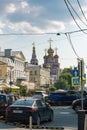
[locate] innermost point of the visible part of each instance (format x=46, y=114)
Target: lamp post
x=10, y=82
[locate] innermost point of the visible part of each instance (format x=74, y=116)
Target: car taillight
x=31, y=109
x=6, y=104
x=8, y=109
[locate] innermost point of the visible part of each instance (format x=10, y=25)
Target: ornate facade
x=51, y=62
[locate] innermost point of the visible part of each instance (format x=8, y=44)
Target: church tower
x=51, y=62
x=34, y=60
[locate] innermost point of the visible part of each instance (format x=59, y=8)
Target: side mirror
x=47, y=104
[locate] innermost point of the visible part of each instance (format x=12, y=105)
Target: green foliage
x=64, y=81
x=61, y=84
x=23, y=90
x=52, y=88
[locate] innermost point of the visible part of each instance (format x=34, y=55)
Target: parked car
x=61, y=98
x=77, y=104
x=22, y=109
x=5, y=101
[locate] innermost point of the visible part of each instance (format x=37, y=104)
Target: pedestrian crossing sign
x=76, y=81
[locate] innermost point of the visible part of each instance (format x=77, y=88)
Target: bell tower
x=34, y=60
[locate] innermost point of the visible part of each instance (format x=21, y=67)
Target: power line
x=76, y=31
x=81, y=10
x=73, y=17
x=76, y=13
x=69, y=39
x=29, y=33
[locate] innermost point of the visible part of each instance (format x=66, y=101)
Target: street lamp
x=10, y=82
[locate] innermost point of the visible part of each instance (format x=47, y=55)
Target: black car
x=77, y=104
x=5, y=101
x=23, y=109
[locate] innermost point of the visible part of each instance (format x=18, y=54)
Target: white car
x=40, y=94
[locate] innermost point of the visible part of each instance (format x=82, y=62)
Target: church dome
x=45, y=57
x=50, y=50
x=56, y=56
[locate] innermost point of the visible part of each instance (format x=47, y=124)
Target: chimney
x=8, y=53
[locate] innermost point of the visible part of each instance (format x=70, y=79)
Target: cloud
x=24, y=27
x=2, y=25
x=28, y=15
x=11, y=8
x=54, y=26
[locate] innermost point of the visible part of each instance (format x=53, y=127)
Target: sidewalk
x=70, y=128
x=35, y=129
x=11, y=127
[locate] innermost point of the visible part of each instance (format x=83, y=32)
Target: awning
x=15, y=87
x=4, y=85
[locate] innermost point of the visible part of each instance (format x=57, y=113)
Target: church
x=51, y=62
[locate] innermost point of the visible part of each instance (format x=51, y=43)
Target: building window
x=35, y=72
x=30, y=72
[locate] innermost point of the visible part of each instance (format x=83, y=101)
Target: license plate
x=17, y=111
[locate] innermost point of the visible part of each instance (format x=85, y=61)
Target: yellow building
x=38, y=75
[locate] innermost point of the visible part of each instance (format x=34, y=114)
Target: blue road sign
x=10, y=83
x=75, y=73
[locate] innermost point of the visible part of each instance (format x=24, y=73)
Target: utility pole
x=82, y=78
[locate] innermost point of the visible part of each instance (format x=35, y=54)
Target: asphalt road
x=64, y=117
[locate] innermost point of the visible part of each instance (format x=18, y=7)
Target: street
x=64, y=116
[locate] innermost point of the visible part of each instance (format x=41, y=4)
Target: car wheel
x=6, y=120
x=38, y=121
x=51, y=117
x=77, y=108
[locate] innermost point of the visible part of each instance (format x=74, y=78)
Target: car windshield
x=38, y=93
x=2, y=98
x=55, y=94
x=24, y=102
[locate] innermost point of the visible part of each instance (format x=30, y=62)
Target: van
x=5, y=101
x=62, y=98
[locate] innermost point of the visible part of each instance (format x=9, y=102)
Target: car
x=77, y=104
x=5, y=101
x=40, y=95
x=61, y=98
x=23, y=109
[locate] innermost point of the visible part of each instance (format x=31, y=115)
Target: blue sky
x=44, y=17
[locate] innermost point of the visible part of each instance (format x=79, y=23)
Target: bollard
x=81, y=119
x=85, y=122
x=30, y=122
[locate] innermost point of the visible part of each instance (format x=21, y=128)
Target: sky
x=23, y=22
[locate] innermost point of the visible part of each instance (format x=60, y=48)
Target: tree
x=52, y=88
x=23, y=90
x=61, y=84
x=64, y=81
